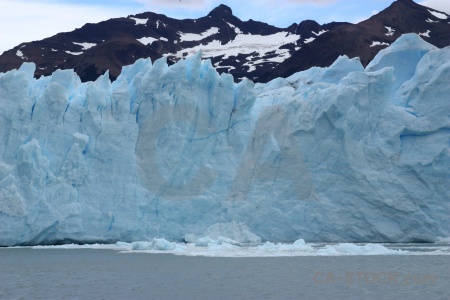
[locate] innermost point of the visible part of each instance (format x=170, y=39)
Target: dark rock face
x=249, y=49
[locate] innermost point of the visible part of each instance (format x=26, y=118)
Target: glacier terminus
x=337, y=154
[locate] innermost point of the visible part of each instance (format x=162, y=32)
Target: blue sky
x=28, y=20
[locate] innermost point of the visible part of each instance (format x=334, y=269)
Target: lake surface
x=27, y=273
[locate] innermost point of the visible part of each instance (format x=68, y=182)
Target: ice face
x=329, y=154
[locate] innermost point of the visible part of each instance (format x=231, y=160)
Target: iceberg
x=340, y=154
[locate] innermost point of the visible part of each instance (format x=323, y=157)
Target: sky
x=30, y=20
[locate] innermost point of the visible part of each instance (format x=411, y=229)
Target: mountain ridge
x=252, y=49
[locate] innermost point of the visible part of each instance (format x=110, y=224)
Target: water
x=106, y=274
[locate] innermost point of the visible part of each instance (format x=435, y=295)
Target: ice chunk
x=234, y=231
x=352, y=249
x=299, y=242
x=205, y=241
x=341, y=68
x=404, y=55
x=155, y=244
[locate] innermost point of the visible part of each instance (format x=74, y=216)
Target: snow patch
x=309, y=40
x=218, y=66
x=320, y=32
x=390, y=30
x=159, y=22
x=375, y=43
x=189, y=37
x=438, y=15
x=244, y=44
x=19, y=53
x=149, y=40
x=85, y=45
x=139, y=21
x=426, y=34
x=431, y=21
x=74, y=53
x=227, y=67
x=236, y=29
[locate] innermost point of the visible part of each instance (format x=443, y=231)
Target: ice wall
x=328, y=154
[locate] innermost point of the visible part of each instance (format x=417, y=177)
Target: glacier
x=337, y=154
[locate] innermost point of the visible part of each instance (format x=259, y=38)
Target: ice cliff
x=328, y=154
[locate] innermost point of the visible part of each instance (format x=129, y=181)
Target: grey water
x=27, y=273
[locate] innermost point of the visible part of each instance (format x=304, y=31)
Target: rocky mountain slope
x=249, y=49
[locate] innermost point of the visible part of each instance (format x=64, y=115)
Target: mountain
x=367, y=38
x=338, y=154
x=251, y=49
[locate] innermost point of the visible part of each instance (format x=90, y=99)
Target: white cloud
x=441, y=5
x=315, y=2
x=190, y=4
x=208, y=4
x=360, y=19
x=24, y=21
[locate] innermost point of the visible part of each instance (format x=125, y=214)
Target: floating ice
x=226, y=248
